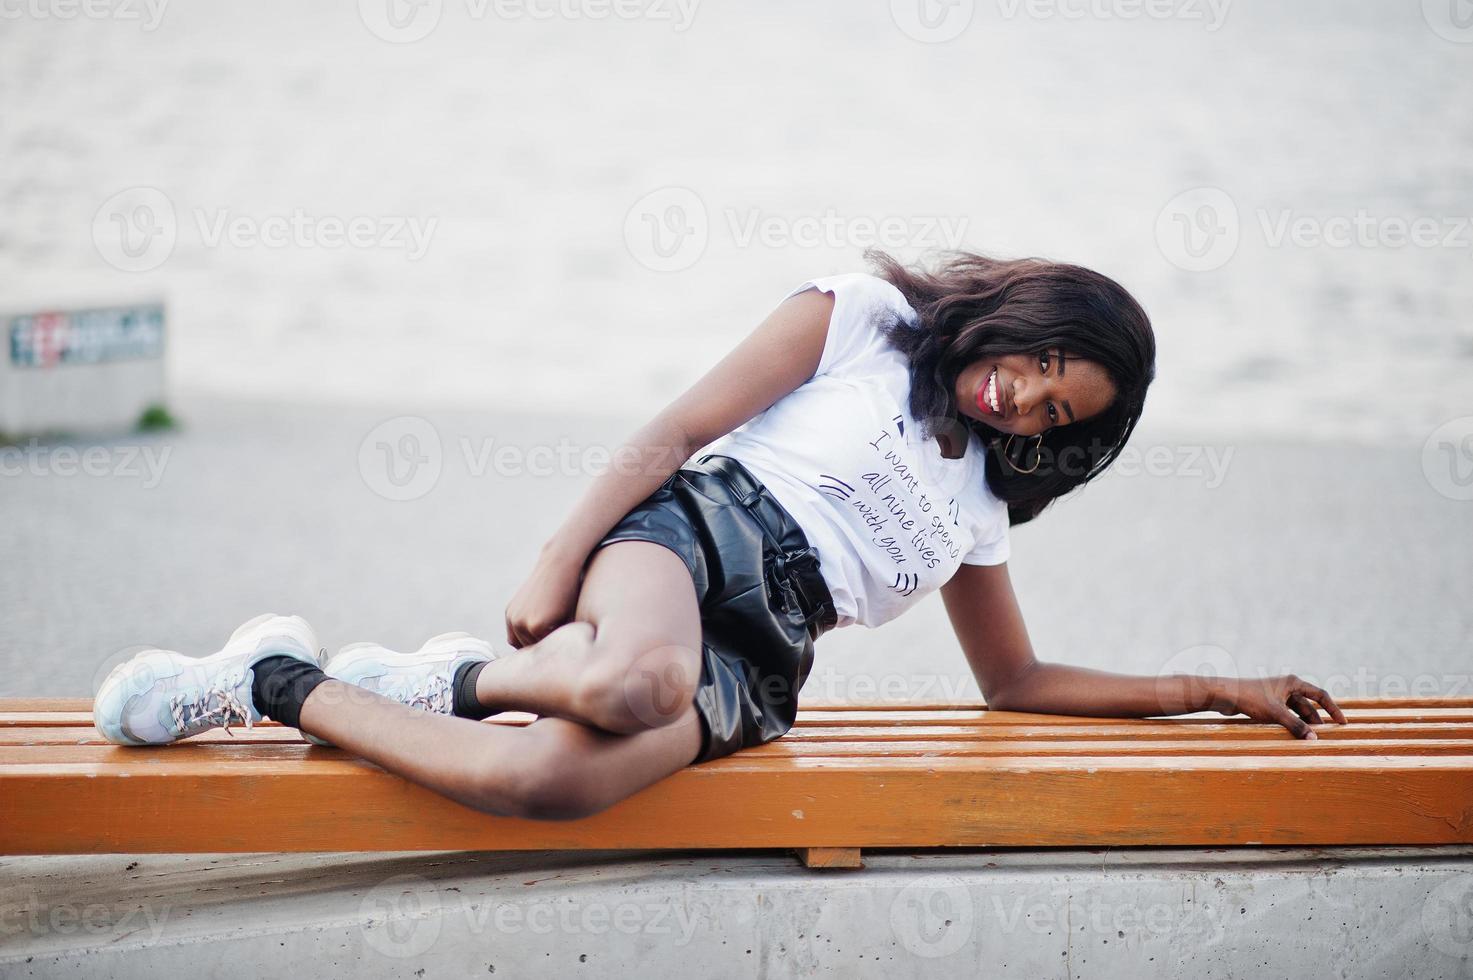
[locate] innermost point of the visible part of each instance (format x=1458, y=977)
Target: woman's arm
x=780, y=354
x=989, y=626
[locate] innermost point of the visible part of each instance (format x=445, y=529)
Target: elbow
x=1012, y=695
x=999, y=700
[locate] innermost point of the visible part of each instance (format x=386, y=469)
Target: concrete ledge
x=1142, y=912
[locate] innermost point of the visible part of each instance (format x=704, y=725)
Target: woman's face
x=1027, y=394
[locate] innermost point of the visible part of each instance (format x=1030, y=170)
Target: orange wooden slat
x=49, y=735
x=225, y=753
x=341, y=805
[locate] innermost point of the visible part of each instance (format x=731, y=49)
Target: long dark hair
x=972, y=307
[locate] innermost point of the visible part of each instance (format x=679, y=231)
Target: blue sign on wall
x=43, y=340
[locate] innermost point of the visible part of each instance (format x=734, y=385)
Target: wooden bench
x=846, y=777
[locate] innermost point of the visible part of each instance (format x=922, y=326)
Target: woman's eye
x=1043, y=361
x=1053, y=413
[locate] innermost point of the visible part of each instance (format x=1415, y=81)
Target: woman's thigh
x=641, y=601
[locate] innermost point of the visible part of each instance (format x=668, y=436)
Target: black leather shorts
x=763, y=602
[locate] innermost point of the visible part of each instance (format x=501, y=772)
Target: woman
x=870, y=442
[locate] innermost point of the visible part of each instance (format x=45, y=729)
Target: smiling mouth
x=989, y=399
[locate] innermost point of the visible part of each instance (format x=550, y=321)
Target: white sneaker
x=423, y=679
x=160, y=696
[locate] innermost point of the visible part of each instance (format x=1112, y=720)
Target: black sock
x=466, y=703
x=280, y=686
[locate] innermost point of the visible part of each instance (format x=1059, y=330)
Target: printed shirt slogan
x=889, y=498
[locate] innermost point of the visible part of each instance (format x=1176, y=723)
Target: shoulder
x=859, y=293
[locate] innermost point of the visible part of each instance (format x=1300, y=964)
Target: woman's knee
x=628, y=687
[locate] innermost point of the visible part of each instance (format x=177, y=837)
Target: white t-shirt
x=890, y=517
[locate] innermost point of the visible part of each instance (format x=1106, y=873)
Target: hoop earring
x=1007, y=454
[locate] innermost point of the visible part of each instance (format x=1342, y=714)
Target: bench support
x=830, y=857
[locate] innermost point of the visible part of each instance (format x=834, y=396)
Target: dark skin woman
x=1047, y=363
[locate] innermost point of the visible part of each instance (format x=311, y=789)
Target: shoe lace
x=434, y=695
x=218, y=705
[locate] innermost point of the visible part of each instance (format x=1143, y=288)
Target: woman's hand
x=1285, y=700
x=545, y=601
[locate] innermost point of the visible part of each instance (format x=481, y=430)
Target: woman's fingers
x=1305, y=709
x=1296, y=725
x=1321, y=697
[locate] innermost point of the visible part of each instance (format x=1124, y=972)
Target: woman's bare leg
x=550, y=769
x=629, y=660
x=636, y=670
